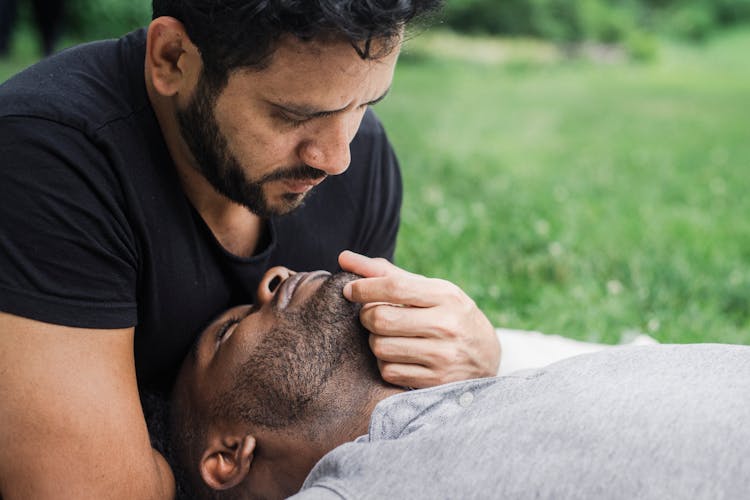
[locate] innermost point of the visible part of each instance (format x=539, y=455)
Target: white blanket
x=523, y=349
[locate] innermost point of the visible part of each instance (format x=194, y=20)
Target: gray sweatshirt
x=653, y=422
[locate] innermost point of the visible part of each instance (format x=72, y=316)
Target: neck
x=359, y=424
x=350, y=420
x=299, y=454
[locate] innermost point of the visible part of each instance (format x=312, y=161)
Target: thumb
x=365, y=266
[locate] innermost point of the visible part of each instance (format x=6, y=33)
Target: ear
x=226, y=461
x=173, y=62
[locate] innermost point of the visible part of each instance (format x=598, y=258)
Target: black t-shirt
x=96, y=232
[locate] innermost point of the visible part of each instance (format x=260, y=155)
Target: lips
x=299, y=187
x=289, y=286
x=286, y=289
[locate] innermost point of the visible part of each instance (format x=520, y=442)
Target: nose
x=328, y=149
x=270, y=283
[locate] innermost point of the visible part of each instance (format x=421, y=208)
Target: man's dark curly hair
x=243, y=33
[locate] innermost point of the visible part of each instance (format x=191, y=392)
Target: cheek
x=252, y=138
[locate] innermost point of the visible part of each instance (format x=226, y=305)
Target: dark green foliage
x=93, y=19
x=732, y=11
x=490, y=16
x=693, y=22
x=606, y=21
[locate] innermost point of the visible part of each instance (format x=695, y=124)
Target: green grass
x=25, y=50
x=589, y=199
x=592, y=200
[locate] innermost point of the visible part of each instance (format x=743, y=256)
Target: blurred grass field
x=591, y=199
x=594, y=197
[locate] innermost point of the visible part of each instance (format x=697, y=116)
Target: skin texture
x=268, y=454
x=425, y=331
x=229, y=458
x=252, y=368
x=214, y=357
x=69, y=397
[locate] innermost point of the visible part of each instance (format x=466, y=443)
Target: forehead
x=327, y=69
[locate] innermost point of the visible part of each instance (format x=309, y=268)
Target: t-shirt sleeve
x=67, y=254
x=382, y=215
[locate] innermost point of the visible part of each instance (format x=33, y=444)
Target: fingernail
x=348, y=291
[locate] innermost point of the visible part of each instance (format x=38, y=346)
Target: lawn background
x=590, y=196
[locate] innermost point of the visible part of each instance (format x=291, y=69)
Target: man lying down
x=286, y=394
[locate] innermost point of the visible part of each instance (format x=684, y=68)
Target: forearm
x=73, y=429
x=154, y=482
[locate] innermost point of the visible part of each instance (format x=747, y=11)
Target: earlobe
x=169, y=55
x=226, y=461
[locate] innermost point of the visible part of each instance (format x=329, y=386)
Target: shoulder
x=84, y=87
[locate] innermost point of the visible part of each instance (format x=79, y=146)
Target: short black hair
x=234, y=34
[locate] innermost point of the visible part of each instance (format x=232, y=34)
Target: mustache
x=298, y=173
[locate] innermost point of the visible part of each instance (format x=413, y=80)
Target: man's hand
x=425, y=331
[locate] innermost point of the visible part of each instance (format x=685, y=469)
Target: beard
x=280, y=382
x=214, y=161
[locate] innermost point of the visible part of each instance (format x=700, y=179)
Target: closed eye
x=289, y=120
x=227, y=328
x=296, y=116
x=224, y=328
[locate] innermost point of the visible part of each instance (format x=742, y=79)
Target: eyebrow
x=311, y=112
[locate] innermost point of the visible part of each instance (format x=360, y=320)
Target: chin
x=277, y=205
x=288, y=202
